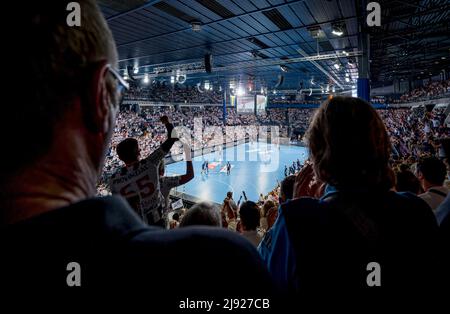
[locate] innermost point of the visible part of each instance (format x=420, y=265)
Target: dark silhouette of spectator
x=206, y=214
x=406, y=181
x=322, y=247
x=431, y=173
x=250, y=216
x=51, y=219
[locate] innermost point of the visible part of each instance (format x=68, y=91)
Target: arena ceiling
x=258, y=39
x=413, y=41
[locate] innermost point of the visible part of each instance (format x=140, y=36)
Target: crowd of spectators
x=174, y=93
x=418, y=142
x=432, y=90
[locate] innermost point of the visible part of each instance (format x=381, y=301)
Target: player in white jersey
x=138, y=181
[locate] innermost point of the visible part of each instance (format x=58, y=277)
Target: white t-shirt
x=435, y=196
x=139, y=184
x=166, y=184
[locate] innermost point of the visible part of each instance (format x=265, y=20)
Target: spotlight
x=337, y=30
x=337, y=66
x=262, y=90
x=206, y=85
x=333, y=89
x=135, y=70
x=347, y=79
x=146, y=79
x=240, y=91
x=172, y=79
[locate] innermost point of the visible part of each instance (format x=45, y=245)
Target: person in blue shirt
x=323, y=242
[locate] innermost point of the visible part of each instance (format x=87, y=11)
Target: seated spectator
x=205, y=214
x=250, y=215
x=323, y=246
x=59, y=242
x=431, y=173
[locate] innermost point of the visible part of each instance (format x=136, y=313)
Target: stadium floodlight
x=172, y=79
x=135, y=70
x=240, y=91
x=146, y=80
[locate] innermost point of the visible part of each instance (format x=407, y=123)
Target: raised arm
x=165, y=147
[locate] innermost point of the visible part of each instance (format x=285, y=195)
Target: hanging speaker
x=130, y=73
x=280, y=81
x=208, y=63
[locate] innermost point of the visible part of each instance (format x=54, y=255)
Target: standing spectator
x=287, y=189
x=229, y=209
x=138, y=181
x=250, y=215
x=431, y=172
x=92, y=249
x=358, y=220
x=406, y=181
